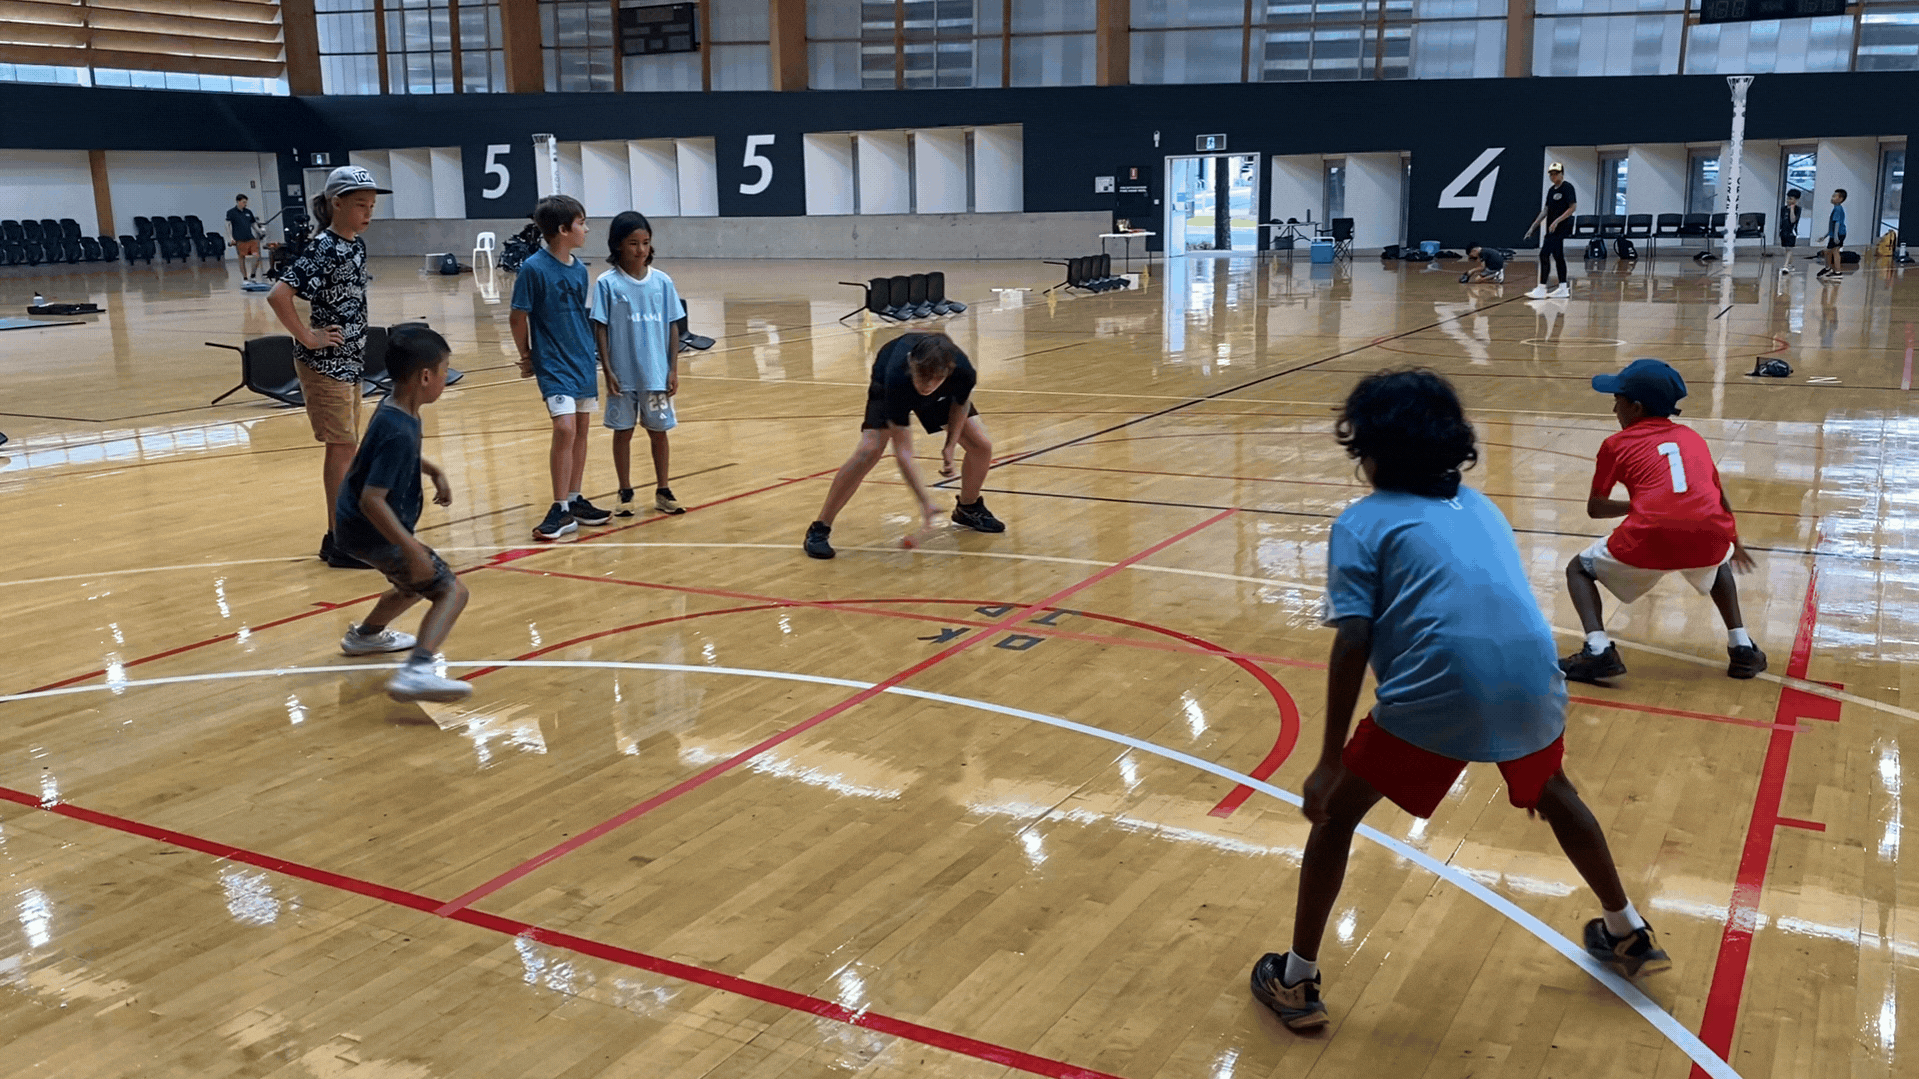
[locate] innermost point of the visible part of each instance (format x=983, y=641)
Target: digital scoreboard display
x=1714, y=11
x=659, y=28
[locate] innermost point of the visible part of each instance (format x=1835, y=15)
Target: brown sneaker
x=1298, y=1006
x=1635, y=954
x=1746, y=661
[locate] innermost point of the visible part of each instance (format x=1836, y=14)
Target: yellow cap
x=1556, y=167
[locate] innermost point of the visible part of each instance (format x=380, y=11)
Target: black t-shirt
x=243, y=222
x=389, y=457
x=892, y=384
x=1559, y=199
x=1491, y=260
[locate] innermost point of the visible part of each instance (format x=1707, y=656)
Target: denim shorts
x=391, y=561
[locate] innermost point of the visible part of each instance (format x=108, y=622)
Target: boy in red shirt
x=1677, y=521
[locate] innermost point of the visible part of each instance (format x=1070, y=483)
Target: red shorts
x=1416, y=779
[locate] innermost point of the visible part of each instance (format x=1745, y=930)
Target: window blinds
x=207, y=37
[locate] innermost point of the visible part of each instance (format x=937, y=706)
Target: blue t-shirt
x=554, y=298
x=1837, y=224
x=638, y=314
x=389, y=458
x=1464, y=658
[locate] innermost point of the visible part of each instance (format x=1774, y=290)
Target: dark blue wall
x=1071, y=134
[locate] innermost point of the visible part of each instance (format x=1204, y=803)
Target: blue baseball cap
x=1652, y=383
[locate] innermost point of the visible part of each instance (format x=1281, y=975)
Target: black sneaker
x=625, y=507
x=1298, y=1006
x=816, y=544
x=1583, y=666
x=1746, y=661
x=696, y=342
x=332, y=555
x=977, y=517
x=1634, y=954
x=664, y=501
x=587, y=513
x=558, y=523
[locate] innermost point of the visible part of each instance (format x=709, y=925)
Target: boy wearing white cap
x=330, y=274
x=1677, y=520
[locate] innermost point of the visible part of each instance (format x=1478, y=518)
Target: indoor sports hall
x=955, y=802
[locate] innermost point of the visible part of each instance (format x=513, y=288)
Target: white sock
x=1597, y=642
x=562, y=505
x=1298, y=970
x=573, y=497
x=1739, y=638
x=1622, y=923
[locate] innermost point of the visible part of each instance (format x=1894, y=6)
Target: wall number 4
x=1480, y=202
x=757, y=160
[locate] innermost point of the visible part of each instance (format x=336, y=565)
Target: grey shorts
x=391, y=562
x=651, y=409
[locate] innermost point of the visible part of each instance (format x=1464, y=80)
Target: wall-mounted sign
x=1713, y=11
x=317, y=159
x=659, y=28
x=1102, y=185
x=1210, y=144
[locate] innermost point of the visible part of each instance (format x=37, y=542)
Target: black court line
x=1215, y=395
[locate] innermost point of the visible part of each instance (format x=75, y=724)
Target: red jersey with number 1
x=1677, y=519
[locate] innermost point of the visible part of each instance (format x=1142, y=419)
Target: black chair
x=1716, y=227
x=1694, y=226
x=136, y=249
x=13, y=243
x=143, y=228
x=1752, y=227
x=916, y=301
x=875, y=299
x=109, y=249
x=1342, y=235
x=266, y=368
x=1612, y=226
x=90, y=249
x=1666, y=227
x=1585, y=226
x=171, y=238
x=899, y=293
x=936, y=292
x=33, y=232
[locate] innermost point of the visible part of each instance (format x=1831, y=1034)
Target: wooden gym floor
x=983, y=809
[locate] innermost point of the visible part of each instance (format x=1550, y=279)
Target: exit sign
x=1210, y=144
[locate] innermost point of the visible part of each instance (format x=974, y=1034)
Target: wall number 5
x=757, y=160
x=496, y=167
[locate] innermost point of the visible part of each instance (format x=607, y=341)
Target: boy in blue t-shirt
x=1835, y=236
x=1425, y=582
x=378, y=507
x=550, y=328
x=634, y=307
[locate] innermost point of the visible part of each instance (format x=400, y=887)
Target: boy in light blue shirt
x=1835, y=237
x=634, y=307
x=1426, y=584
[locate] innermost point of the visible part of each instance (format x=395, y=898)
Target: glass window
x=1335, y=194
x=741, y=67
x=1606, y=44
x=349, y=47
x=1174, y=14
x=482, y=48
x=1788, y=46
x=1187, y=56
x=831, y=65
x=1892, y=187
x=576, y=38
x=1612, y=184
x=1053, y=16
x=739, y=21
x=1702, y=182
x=1466, y=49
x=1053, y=59
x=1889, y=41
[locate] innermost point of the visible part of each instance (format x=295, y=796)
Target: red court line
x=712, y=979
x=1721, y=1015
x=498, y=559
x=1808, y=825
x=1653, y=709
x=574, y=843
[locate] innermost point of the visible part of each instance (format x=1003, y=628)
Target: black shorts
x=391, y=562
x=1790, y=239
x=1834, y=245
x=931, y=417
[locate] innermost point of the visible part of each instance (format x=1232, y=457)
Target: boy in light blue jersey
x=1835, y=238
x=634, y=307
x=1426, y=583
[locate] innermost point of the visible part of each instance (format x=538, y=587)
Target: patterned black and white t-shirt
x=331, y=275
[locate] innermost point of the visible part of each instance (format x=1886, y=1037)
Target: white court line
x=156, y=569
x=1661, y=1020
x=1817, y=689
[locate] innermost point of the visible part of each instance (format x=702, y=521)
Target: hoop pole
x=1730, y=170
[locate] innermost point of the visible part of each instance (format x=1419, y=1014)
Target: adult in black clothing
x=1557, y=217
x=924, y=377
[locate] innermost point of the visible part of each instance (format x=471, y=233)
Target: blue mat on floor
x=34, y=323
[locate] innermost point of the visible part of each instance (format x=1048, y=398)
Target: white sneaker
x=1563, y=292
x=356, y=643
x=1538, y=293
x=418, y=682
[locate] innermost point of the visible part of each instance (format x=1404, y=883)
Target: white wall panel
x=939, y=171
x=699, y=178
x=51, y=183
x=653, y=167
x=999, y=169
x=829, y=174
x=146, y=183
x=885, y=178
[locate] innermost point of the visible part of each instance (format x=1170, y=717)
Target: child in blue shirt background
x=1425, y=583
x=634, y=308
x=1835, y=236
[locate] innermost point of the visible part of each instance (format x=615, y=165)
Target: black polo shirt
x=1559, y=199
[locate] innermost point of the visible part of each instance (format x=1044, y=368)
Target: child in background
x=1492, y=265
x=1425, y=581
x=1677, y=521
x=379, y=506
x=633, y=310
x=551, y=331
x=1835, y=236
x=330, y=274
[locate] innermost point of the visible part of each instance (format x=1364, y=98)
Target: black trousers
x=1552, y=248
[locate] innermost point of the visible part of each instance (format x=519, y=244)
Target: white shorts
x=652, y=410
x=561, y=405
x=1628, y=583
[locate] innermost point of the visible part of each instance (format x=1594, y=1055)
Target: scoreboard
x=1714, y=11
x=659, y=28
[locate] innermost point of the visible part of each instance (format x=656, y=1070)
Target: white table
x=1128, y=237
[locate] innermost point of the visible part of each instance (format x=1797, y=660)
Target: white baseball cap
x=352, y=178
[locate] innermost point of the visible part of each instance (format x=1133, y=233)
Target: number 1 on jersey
x=1670, y=450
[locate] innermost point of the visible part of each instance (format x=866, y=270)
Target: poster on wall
x=1466, y=191
x=761, y=174
x=500, y=182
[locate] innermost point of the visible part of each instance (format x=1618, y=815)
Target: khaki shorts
x=333, y=407
x=1628, y=583
x=247, y=247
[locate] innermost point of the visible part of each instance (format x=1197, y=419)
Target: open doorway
x=1210, y=204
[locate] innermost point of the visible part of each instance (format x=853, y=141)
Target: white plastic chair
x=484, y=243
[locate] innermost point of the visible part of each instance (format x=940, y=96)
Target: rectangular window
x=1612, y=184
x=1702, y=182
x=577, y=43
x=1889, y=41
x=1892, y=187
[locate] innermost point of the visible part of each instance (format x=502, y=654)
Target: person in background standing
x=1557, y=218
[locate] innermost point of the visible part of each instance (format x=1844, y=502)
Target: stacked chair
x=898, y=299
x=208, y=245
x=1094, y=273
